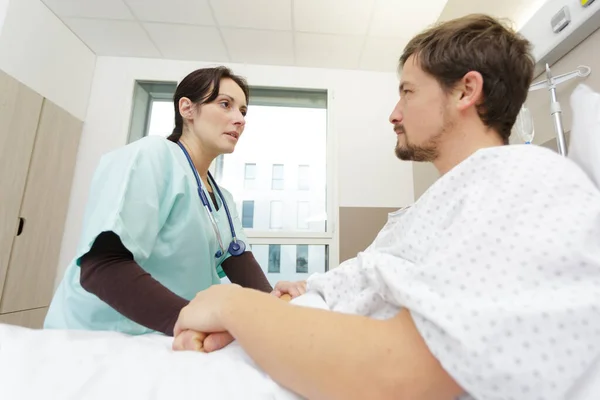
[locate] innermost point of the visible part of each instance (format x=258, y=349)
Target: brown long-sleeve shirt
x=109, y=271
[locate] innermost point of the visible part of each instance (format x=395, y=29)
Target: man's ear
x=469, y=90
x=186, y=108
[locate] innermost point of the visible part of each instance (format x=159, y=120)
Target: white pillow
x=584, y=147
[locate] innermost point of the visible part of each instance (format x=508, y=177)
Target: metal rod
x=555, y=109
x=556, y=113
x=560, y=134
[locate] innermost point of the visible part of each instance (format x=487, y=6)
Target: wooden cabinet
x=38, y=149
x=28, y=318
x=20, y=109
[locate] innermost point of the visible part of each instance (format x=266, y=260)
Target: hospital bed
x=39, y=364
x=92, y=365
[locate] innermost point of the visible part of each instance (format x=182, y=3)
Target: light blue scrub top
x=147, y=194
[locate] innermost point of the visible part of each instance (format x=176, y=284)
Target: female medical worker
x=157, y=228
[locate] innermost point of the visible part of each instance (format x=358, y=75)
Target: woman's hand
x=294, y=289
x=190, y=340
x=198, y=341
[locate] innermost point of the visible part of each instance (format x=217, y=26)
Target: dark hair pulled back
x=202, y=86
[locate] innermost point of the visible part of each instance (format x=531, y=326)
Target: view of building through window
x=286, y=262
x=277, y=176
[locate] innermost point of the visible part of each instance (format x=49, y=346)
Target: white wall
x=3, y=10
x=366, y=169
x=37, y=49
x=538, y=29
x=370, y=174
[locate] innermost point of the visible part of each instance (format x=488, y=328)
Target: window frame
x=282, y=179
x=307, y=247
x=246, y=165
x=278, y=258
x=300, y=181
x=244, y=202
x=248, y=182
x=146, y=91
x=330, y=235
x=298, y=203
x=271, y=209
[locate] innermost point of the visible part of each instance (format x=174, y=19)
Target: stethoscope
x=236, y=247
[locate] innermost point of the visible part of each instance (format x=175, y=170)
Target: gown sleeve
x=130, y=195
x=128, y=202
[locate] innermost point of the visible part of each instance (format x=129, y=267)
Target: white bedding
x=80, y=365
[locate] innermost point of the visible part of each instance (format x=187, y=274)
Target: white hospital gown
x=499, y=265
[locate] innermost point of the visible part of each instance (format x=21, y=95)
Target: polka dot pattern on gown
x=499, y=265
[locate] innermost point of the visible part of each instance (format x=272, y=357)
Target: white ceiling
x=518, y=11
x=347, y=34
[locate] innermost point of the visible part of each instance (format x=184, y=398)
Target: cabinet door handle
x=21, y=225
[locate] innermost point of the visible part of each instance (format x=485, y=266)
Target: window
x=160, y=123
x=152, y=112
x=273, y=211
x=303, y=213
x=303, y=177
x=276, y=214
x=277, y=179
x=249, y=175
x=274, y=259
x=248, y=214
x=255, y=169
x=250, y=172
x=291, y=262
x=302, y=259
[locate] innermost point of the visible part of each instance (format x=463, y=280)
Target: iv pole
x=550, y=83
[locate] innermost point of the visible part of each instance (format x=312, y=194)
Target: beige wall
x=424, y=175
x=358, y=228
x=538, y=102
x=553, y=145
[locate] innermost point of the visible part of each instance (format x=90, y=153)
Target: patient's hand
x=198, y=341
x=294, y=289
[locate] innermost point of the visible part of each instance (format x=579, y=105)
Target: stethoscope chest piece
x=237, y=247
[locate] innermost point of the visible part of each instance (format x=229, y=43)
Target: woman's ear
x=186, y=108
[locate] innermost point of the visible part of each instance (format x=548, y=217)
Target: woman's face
x=219, y=125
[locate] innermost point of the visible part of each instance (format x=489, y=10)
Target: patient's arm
x=322, y=354
x=194, y=340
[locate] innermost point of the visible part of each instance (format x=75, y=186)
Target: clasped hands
x=189, y=335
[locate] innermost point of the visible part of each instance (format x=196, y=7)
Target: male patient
x=487, y=288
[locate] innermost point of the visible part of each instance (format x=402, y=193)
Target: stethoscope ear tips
x=219, y=254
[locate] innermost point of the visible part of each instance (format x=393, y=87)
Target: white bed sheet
x=77, y=365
